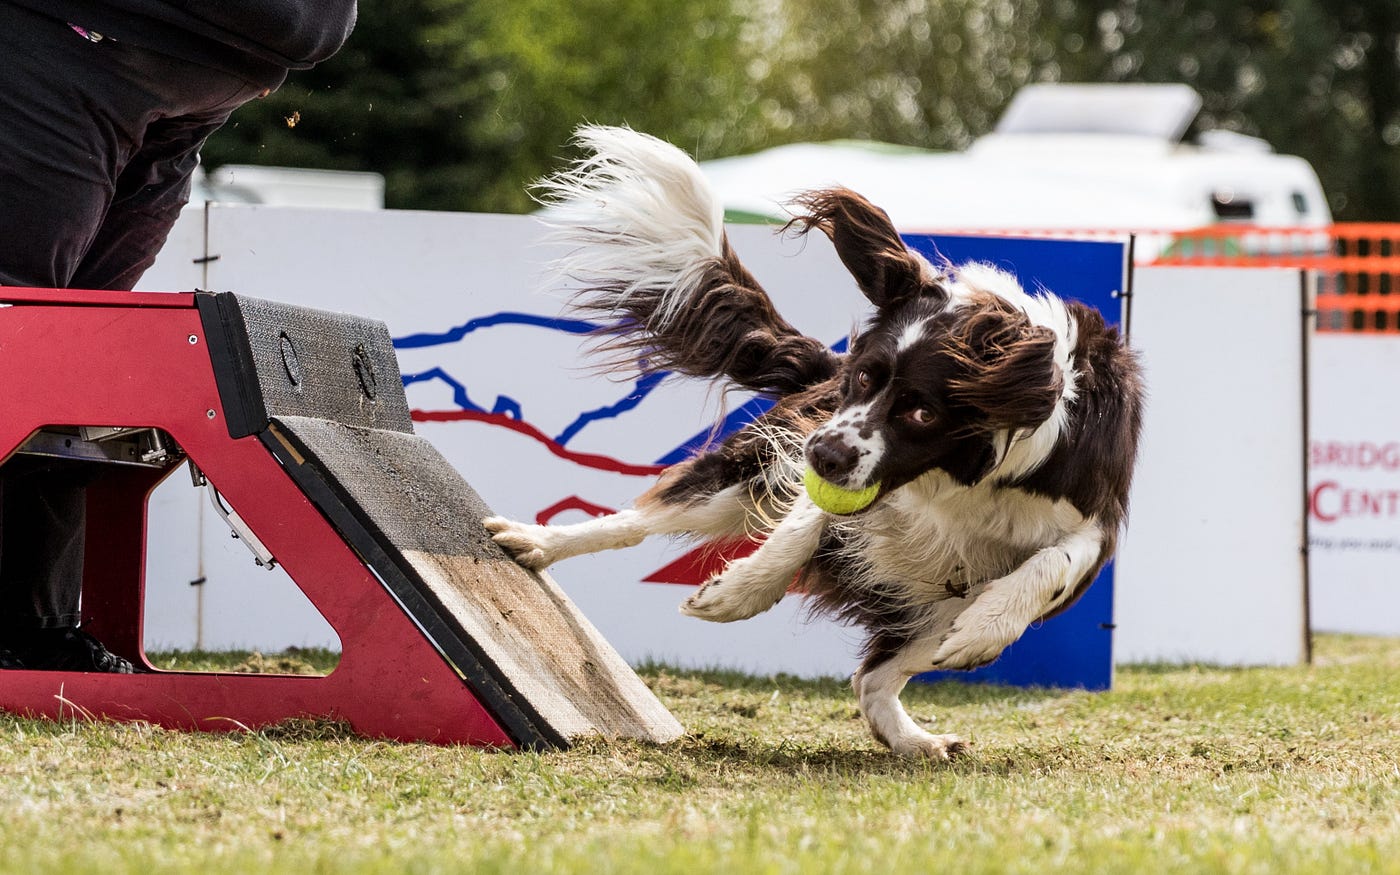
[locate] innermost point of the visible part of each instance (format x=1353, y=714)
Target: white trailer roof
x=1017, y=179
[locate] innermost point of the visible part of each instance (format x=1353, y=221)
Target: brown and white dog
x=996, y=430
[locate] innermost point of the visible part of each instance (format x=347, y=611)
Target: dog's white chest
x=934, y=539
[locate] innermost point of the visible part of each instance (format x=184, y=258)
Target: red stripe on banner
x=702, y=563
x=573, y=502
x=587, y=460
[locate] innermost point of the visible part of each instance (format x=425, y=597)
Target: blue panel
x=1085, y=271
x=1074, y=649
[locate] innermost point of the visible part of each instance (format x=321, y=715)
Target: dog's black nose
x=831, y=457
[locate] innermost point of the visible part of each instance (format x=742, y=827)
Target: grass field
x=1176, y=769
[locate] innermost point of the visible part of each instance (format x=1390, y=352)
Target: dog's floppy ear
x=1006, y=367
x=887, y=272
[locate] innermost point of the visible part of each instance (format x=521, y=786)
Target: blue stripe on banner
x=456, y=333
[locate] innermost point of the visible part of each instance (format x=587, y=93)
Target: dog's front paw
x=725, y=598
x=527, y=544
x=926, y=745
x=714, y=601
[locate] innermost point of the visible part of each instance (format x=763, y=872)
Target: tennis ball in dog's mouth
x=833, y=499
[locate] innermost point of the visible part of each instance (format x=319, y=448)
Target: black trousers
x=98, y=144
x=43, y=509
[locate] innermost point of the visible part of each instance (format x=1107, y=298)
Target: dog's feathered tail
x=648, y=250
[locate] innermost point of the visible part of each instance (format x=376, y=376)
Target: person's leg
x=45, y=512
x=150, y=192
x=56, y=180
x=56, y=165
x=100, y=141
x=153, y=184
x=44, y=505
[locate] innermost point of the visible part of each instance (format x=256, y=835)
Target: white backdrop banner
x=1210, y=568
x=1354, y=486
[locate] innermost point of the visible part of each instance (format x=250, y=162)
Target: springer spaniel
x=962, y=473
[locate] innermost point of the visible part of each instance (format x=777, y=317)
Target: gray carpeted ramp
x=323, y=393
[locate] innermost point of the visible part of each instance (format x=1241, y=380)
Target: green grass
x=1177, y=769
x=296, y=660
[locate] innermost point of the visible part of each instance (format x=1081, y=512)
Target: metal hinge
x=261, y=555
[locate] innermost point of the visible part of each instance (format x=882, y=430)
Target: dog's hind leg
x=893, y=660
x=757, y=582
x=965, y=633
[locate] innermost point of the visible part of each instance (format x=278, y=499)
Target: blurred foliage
x=931, y=73
x=1316, y=78
x=398, y=99
x=669, y=67
x=461, y=105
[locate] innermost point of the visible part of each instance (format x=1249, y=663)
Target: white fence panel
x=1211, y=568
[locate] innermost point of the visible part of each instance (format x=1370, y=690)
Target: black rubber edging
x=512, y=710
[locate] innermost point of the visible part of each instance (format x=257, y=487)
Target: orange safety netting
x=1356, y=265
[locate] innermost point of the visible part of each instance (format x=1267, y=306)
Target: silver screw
x=210, y=413
x=194, y=339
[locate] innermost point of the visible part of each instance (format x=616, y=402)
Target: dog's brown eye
x=863, y=379
x=920, y=416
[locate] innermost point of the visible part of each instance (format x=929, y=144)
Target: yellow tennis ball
x=833, y=499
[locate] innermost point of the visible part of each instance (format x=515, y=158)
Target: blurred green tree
x=1316, y=78
x=461, y=105
x=672, y=68
x=929, y=73
x=398, y=99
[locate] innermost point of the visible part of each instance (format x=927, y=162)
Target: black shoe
x=68, y=650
